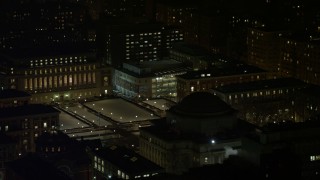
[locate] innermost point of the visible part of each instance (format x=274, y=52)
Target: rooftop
x=12, y=93
x=263, y=84
x=169, y=133
x=179, y=3
x=32, y=167
x=312, y=90
x=4, y=139
x=229, y=70
x=202, y=104
x=154, y=68
x=127, y=160
x=53, y=138
x=135, y=25
x=291, y=126
x=190, y=49
x=26, y=110
x=21, y=57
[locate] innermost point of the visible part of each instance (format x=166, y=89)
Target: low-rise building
x=33, y=167
x=150, y=79
x=307, y=102
x=264, y=101
x=25, y=123
x=66, y=154
x=12, y=97
x=288, y=150
x=120, y=162
x=205, y=80
x=8, y=152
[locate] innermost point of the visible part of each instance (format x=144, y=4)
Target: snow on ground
x=83, y=112
x=69, y=122
x=120, y=110
x=161, y=104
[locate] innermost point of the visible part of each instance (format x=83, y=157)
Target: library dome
x=202, y=103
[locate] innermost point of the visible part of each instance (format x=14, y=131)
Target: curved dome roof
x=202, y=103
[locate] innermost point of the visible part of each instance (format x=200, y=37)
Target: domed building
x=200, y=130
x=202, y=112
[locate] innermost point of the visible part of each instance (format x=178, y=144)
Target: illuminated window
x=44, y=124
x=315, y=158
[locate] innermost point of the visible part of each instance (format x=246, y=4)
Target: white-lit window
x=44, y=124
x=315, y=158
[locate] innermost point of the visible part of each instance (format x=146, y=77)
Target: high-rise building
x=124, y=8
x=47, y=23
x=264, y=48
x=139, y=42
x=299, y=58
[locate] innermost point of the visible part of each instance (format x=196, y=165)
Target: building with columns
x=58, y=77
